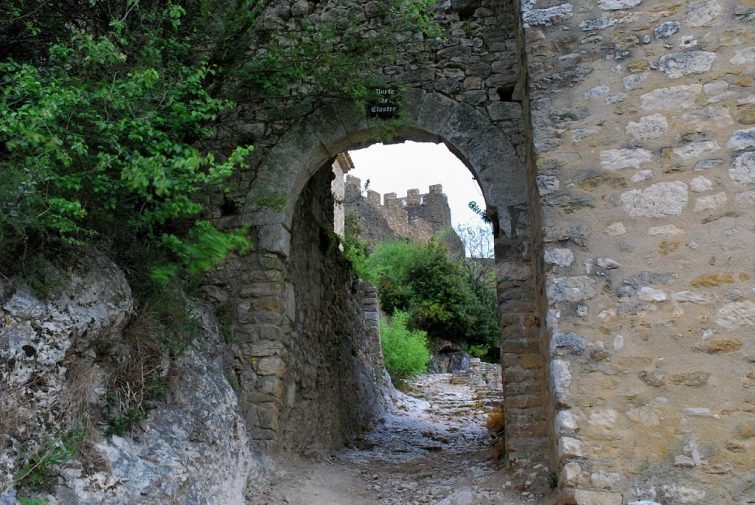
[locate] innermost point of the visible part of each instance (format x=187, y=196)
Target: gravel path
x=434, y=449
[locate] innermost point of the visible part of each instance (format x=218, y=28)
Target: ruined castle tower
x=417, y=217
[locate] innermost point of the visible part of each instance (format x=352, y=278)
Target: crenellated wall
x=417, y=217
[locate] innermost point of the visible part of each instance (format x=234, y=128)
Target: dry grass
x=496, y=424
x=136, y=375
x=81, y=393
x=496, y=420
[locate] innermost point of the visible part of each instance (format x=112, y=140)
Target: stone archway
x=433, y=117
x=268, y=321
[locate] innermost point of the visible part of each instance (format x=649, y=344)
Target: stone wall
x=334, y=375
x=417, y=217
x=303, y=345
x=642, y=117
x=341, y=166
x=466, y=91
x=613, y=143
x=612, y=140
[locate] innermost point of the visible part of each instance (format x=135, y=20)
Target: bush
x=356, y=250
x=441, y=296
x=24, y=500
x=37, y=470
x=405, y=351
x=101, y=139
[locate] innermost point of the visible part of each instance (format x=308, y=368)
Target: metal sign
x=384, y=105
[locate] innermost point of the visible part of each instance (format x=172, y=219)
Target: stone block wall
x=642, y=115
x=302, y=335
x=417, y=217
x=332, y=386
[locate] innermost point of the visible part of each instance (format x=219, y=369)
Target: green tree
x=478, y=267
x=436, y=291
x=104, y=106
x=84, y=155
x=99, y=139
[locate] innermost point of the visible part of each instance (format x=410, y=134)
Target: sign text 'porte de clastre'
x=384, y=105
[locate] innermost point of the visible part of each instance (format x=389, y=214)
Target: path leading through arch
x=432, y=448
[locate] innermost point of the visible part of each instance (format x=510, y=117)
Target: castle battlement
x=416, y=216
x=413, y=196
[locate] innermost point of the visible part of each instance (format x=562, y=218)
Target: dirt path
x=433, y=450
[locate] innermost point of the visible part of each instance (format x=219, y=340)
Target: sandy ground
x=433, y=449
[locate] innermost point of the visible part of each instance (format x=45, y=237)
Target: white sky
x=395, y=168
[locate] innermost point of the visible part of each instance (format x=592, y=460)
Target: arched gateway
x=273, y=370
x=613, y=142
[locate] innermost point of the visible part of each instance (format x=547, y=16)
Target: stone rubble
x=432, y=448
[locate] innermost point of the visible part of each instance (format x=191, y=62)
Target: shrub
x=355, y=250
x=25, y=500
x=106, y=112
x=441, y=296
x=478, y=351
x=101, y=140
x=38, y=468
x=405, y=351
x=125, y=422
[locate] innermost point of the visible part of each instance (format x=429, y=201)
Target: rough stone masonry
x=614, y=142
x=643, y=137
x=416, y=217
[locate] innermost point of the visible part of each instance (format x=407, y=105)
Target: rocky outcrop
x=57, y=359
x=447, y=357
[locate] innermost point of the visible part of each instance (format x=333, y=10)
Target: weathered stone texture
x=612, y=141
x=665, y=379
x=61, y=354
x=466, y=91
x=332, y=385
x=304, y=345
x=417, y=217
x=614, y=150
